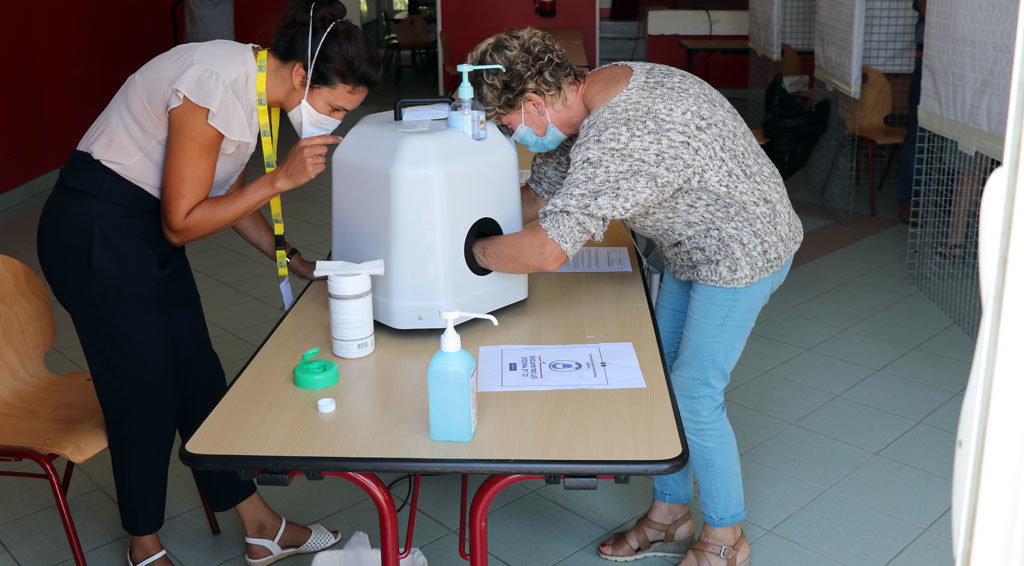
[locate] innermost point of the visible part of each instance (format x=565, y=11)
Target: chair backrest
x=446, y=52
x=790, y=61
x=26, y=323
x=40, y=410
x=413, y=31
x=875, y=98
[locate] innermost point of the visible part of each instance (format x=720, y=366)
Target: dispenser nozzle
x=465, y=89
x=450, y=340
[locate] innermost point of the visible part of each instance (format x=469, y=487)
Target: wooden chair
x=791, y=66
x=388, y=37
x=867, y=122
x=413, y=34
x=790, y=61
x=447, y=64
x=44, y=416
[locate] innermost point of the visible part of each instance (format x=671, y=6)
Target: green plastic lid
x=315, y=374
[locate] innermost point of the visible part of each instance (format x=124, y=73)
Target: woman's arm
x=528, y=251
x=532, y=203
x=255, y=229
x=186, y=210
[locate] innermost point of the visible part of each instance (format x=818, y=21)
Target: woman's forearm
x=529, y=251
x=211, y=215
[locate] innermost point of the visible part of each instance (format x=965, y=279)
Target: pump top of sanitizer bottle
x=450, y=340
x=466, y=114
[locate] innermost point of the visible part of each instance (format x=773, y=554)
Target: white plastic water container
x=413, y=193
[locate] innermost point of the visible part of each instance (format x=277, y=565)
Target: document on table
x=595, y=259
x=574, y=366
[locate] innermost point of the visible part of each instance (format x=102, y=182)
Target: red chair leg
x=871, y=175
x=60, y=494
x=210, y=517
x=888, y=164
x=66, y=482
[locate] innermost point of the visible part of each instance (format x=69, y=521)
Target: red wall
x=66, y=60
x=468, y=22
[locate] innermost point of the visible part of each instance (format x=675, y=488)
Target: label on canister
x=352, y=348
x=351, y=309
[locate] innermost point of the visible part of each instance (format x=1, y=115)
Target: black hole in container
x=483, y=228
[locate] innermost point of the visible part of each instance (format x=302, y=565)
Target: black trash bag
x=792, y=127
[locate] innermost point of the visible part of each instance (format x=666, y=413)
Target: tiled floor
x=845, y=404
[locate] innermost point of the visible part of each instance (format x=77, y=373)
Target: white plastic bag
x=357, y=552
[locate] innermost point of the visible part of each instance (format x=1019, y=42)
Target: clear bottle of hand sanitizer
x=451, y=384
x=467, y=114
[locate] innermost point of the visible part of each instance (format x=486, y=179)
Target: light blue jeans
x=703, y=331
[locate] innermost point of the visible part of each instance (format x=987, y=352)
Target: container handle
x=402, y=102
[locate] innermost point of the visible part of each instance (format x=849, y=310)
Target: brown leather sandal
x=724, y=551
x=622, y=551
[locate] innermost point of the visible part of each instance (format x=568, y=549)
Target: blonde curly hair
x=534, y=62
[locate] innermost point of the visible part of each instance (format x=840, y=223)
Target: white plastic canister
x=351, y=306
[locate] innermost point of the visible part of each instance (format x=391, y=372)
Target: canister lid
x=348, y=284
x=325, y=405
x=315, y=374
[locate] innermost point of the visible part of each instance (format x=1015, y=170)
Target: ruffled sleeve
x=209, y=89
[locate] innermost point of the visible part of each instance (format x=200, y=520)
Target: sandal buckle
x=728, y=556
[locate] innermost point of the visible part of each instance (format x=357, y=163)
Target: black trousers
x=136, y=309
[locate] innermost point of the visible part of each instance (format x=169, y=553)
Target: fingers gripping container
x=417, y=194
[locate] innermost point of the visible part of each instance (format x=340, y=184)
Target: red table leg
x=478, y=513
x=381, y=497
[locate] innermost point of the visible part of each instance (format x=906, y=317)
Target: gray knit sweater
x=671, y=158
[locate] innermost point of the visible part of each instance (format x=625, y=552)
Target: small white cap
x=325, y=405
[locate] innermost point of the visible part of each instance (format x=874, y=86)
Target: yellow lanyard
x=268, y=135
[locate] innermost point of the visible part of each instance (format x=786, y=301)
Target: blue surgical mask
x=553, y=137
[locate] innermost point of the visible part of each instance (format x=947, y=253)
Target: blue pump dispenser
x=467, y=114
x=451, y=384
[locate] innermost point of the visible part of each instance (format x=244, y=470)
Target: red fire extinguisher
x=544, y=8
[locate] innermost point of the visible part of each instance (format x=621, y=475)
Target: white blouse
x=130, y=136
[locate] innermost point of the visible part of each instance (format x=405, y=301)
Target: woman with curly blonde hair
x=663, y=152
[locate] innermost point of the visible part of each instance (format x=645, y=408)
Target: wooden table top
x=731, y=45
x=266, y=423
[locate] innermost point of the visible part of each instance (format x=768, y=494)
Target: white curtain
x=965, y=84
x=889, y=36
x=766, y=27
x=798, y=24
x=839, y=44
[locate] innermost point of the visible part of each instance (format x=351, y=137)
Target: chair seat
x=61, y=416
x=882, y=135
x=759, y=136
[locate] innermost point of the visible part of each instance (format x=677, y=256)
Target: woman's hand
x=302, y=267
x=307, y=159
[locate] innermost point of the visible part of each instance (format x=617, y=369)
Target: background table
x=265, y=424
x=710, y=47
x=571, y=40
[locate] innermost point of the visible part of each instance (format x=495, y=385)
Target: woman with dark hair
x=163, y=166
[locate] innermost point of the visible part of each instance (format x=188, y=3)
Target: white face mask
x=308, y=122
x=304, y=118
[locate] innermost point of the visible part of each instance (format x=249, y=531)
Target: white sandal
x=149, y=560
x=318, y=540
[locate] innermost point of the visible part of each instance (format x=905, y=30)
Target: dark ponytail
x=347, y=56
